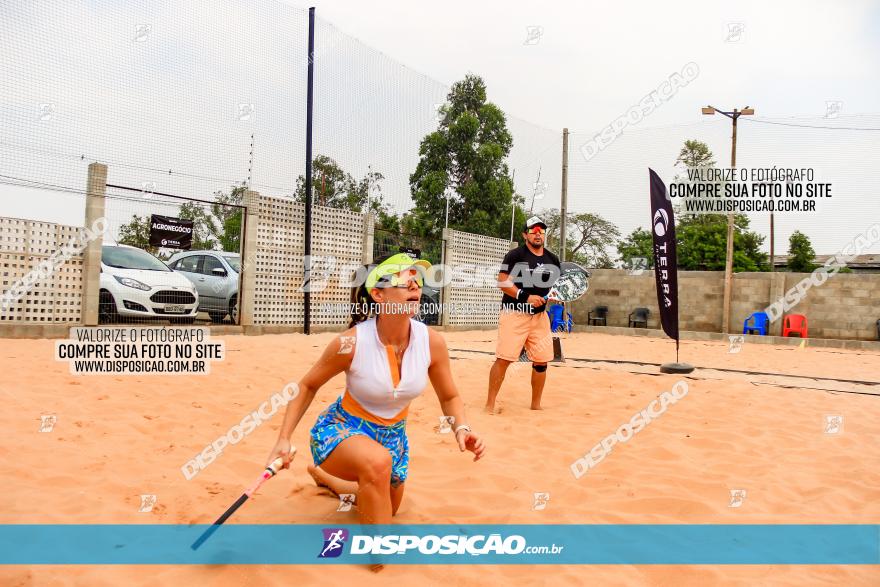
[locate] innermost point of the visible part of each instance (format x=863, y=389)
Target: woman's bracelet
x=462, y=427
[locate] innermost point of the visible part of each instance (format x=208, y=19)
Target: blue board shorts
x=335, y=425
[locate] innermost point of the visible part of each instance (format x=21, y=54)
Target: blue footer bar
x=631, y=544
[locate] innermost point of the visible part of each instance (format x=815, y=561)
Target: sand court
x=735, y=449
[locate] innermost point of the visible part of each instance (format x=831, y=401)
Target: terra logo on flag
x=334, y=540
x=665, y=258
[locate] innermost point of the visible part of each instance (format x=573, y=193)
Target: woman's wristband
x=460, y=428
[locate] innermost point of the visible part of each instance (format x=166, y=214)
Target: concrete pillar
x=96, y=192
x=369, y=236
x=446, y=291
x=777, y=291
x=248, y=287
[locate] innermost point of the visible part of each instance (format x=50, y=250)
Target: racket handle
x=270, y=472
x=276, y=465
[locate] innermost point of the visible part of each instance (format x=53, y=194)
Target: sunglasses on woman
x=398, y=281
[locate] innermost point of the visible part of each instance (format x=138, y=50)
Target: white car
x=135, y=284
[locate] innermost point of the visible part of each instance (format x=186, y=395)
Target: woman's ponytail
x=362, y=305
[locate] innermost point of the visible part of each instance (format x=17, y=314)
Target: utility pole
x=728, y=265
x=512, y=202
x=564, y=204
x=772, y=234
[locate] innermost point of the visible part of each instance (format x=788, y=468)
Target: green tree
x=702, y=238
x=333, y=187
x=137, y=233
x=639, y=243
x=695, y=154
x=215, y=225
x=702, y=244
x=800, y=253
x=587, y=240
x=465, y=158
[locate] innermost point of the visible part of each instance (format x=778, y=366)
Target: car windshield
x=129, y=258
x=235, y=263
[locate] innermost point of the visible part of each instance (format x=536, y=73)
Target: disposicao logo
x=334, y=540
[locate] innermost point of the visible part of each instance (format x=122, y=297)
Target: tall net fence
x=842, y=151
x=192, y=105
x=371, y=115
x=207, y=101
x=196, y=100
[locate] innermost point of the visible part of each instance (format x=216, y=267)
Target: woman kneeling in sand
x=361, y=437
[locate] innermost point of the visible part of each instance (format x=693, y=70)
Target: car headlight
x=128, y=281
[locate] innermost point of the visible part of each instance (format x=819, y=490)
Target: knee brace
x=539, y=368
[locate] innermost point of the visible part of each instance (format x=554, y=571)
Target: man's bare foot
x=536, y=408
x=492, y=410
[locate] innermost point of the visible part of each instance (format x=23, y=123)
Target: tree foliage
x=800, y=253
x=216, y=226
x=334, y=187
x=702, y=244
x=639, y=243
x=695, y=154
x=137, y=233
x=464, y=159
x=588, y=237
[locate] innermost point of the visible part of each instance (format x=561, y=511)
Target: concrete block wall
x=24, y=245
x=845, y=306
x=751, y=293
x=278, y=267
x=473, y=306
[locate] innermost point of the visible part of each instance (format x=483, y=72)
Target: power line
x=809, y=125
x=21, y=182
x=83, y=157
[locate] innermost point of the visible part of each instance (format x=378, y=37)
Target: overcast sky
x=168, y=100
x=582, y=64
x=595, y=58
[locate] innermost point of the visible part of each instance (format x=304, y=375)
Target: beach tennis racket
x=572, y=284
x=270, y=472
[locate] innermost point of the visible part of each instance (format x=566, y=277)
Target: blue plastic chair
x=760, y=325
x=557, y=321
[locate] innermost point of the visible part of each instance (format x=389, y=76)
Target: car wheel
x=107, y=308
x=188, y=320
x=217, y=317
x=233, y=309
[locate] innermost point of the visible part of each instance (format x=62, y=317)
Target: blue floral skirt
x=335, y=425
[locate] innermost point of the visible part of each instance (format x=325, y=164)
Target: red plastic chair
x=795, y=323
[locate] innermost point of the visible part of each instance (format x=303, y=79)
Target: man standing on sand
x=526, y=275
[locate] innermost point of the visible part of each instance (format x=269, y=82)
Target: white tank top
x=370, y=378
